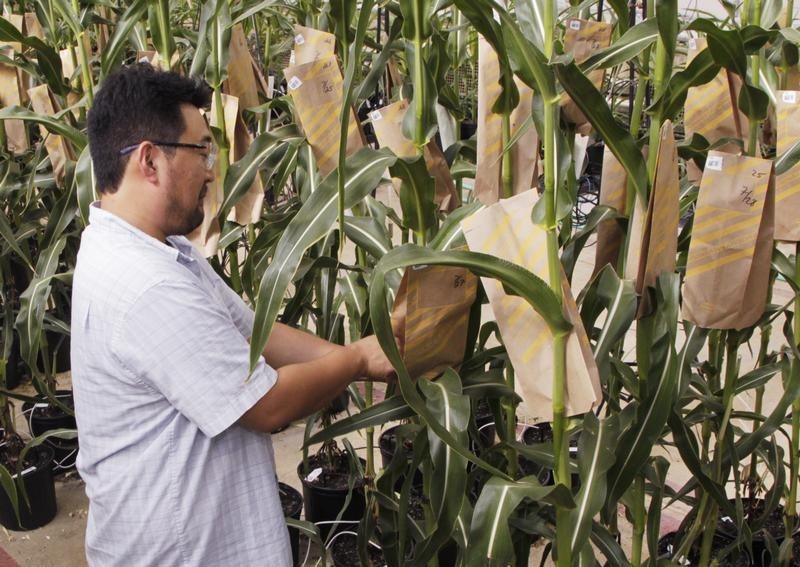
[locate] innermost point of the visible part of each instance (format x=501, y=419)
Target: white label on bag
x=692, y=44
x=376, y=115
x=714, y=162
x=299, y=39
x=789, y=96
x=575, y=24
x=314, y=475
x=41, y=405
x=295, y=83
x=291, y=57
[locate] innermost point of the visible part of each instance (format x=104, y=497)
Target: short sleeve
x=182, y=342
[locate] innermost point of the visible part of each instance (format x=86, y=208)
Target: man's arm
x=305, y=387
x=287, y=345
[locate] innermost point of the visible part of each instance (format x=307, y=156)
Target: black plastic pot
x=542, y=433
x=344, y=551
x=37, y=480
x=387, y=443
x=292, y=504
x=14, y=370
x=326, y=495
x=42, y=417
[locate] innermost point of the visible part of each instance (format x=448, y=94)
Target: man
x=173, y=429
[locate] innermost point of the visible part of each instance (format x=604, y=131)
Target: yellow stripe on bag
x=700, y=253
x=717, y=235
x=721, y=216
x=323, y=112
x=542, y=339
x=786, y=193
x=498, y=231
x=692, y=271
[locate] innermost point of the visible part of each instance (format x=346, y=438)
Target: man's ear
x=146, y=161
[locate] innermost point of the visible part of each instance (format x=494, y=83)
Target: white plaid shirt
x=159, y=369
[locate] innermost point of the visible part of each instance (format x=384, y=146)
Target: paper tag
x=294, y=83
x=314, y=475
x=292, y=58
x=692, y=44
x=714, y=162
x=575, y=24
x=376, y=115
x=41, y=405
x=789, y=96
x=299, y=39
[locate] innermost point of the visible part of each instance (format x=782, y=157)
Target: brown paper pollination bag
x=206, y=236
x=505, y=230
x=388, y=125
x=241, y=81
x=787, y=185
x=659, y=231
x=10, y=95
x=727, y=273
x=57, y=148
x=613, y=193
x=311, y=45
x=317, y=92
x=431, y=316
x=523, y=155
x=582, y=39
x=712, y=109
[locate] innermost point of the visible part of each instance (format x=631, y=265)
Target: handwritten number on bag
x=458, y=281
x=747, y=196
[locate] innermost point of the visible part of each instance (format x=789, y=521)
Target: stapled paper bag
x=311, y=45
x=613, y=192
x=787, y=185
x=317, y=91
x=206, y=236
x=505, y=230
x=241, y=82
x=11, y=95
x=727, y=273
x=712, y=110
x=388, y=125
x=658, y=238
x=582, y=39
x=523, y=155
x=431, y=317
x=57, y=148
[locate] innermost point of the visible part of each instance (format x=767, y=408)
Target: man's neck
x=135, y=214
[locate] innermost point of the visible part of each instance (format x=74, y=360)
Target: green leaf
x=391, y=409
x=450, y=234
x=490, y=537
x=661, y=389
x=619, y=299
x=33, y=302
x=118, y=42
x=595, y=457
x=530, y=14
x=667, y=17
x=7, y=481
x=617, y=139
x=480, y=16
x=448, y=481
x=416, y=193
x=727, y=49
x=9, y=33
x=574, y=246
x=52, y=124
x=701, y=70
x=241, y=174
x=630, y=45
x=68, y=16
x=311, y=223
x=85, y=180
x=788, y=159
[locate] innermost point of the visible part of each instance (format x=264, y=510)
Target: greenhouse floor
x=60, y=543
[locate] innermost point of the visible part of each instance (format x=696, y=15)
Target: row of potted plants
x=483, y=504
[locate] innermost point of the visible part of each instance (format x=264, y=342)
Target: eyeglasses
x=210, y=147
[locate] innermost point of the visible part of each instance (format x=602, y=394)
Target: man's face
x=189, y=176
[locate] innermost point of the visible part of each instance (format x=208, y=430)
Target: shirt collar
x=179, y=248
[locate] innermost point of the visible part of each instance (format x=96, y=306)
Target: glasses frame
x=210, y=158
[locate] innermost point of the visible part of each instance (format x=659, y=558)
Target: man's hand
x=374, y=364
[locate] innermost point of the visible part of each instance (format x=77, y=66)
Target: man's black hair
x=135, y=104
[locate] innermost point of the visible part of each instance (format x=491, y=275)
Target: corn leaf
x=53, y=125
x=118, y=42
x=630, y=45
x=311, y=223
